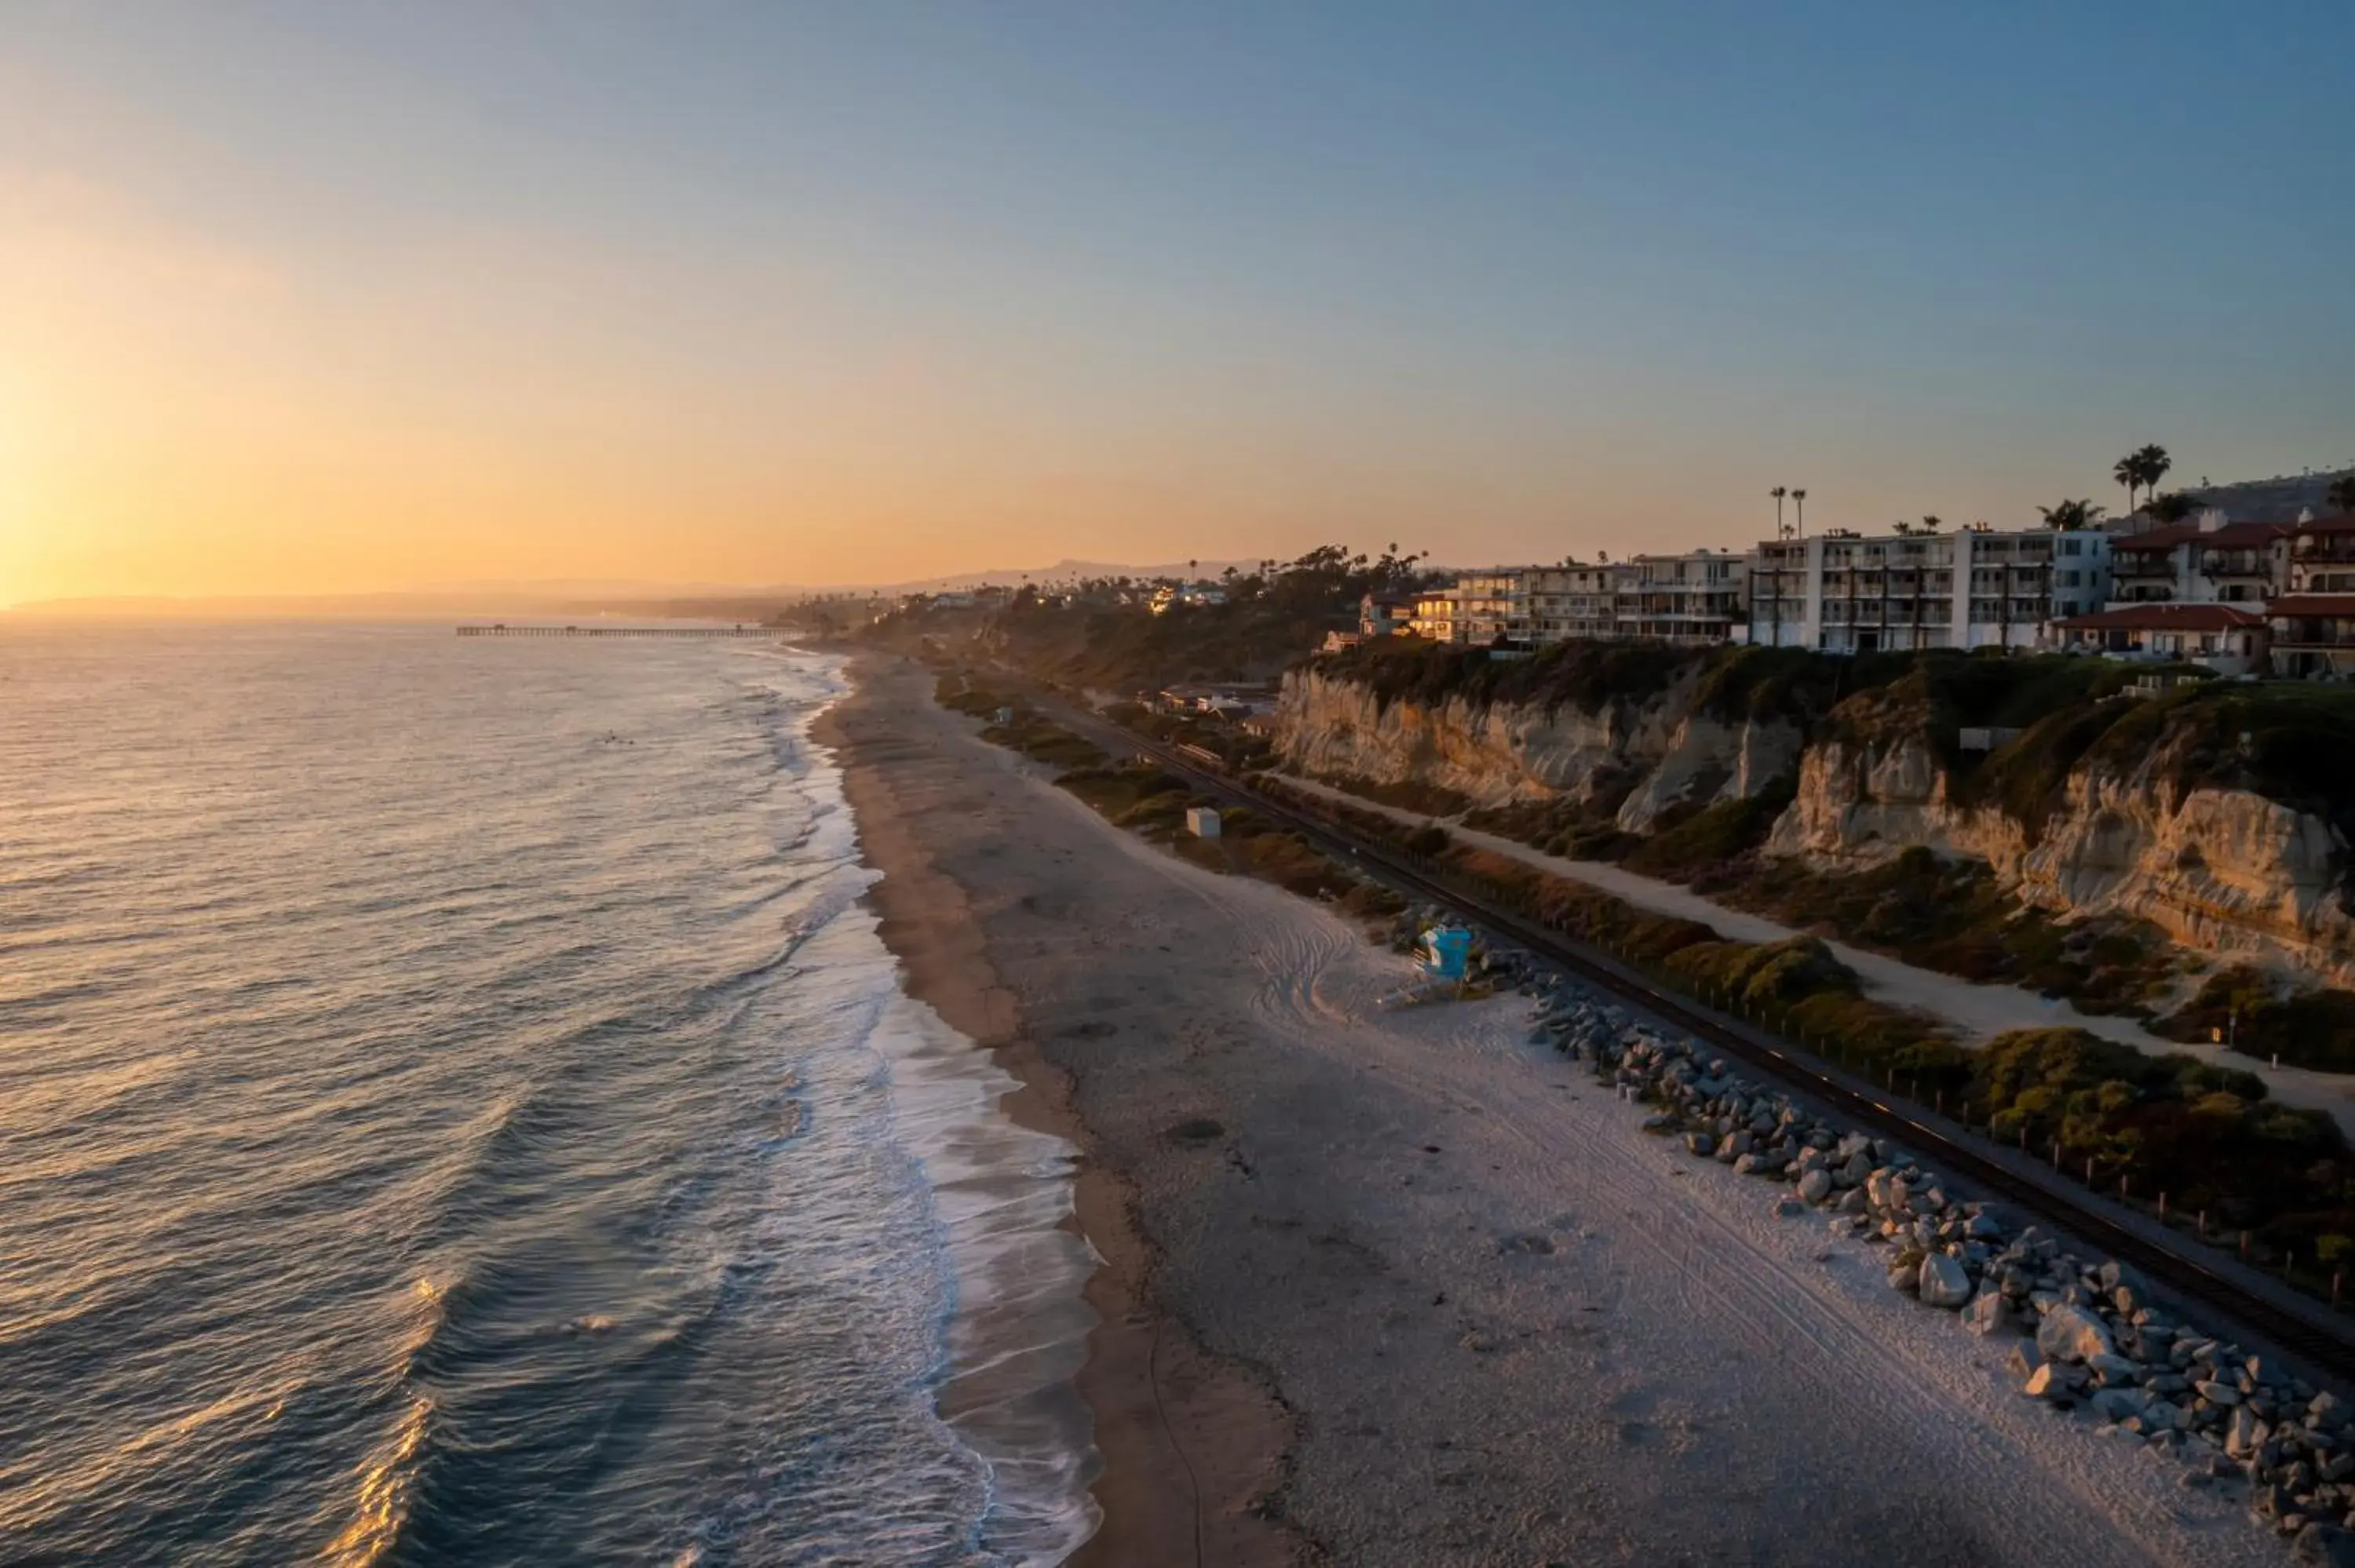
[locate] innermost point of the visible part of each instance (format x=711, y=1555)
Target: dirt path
x=1978, y=1012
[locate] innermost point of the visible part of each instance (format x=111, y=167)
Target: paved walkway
x=1978, y=1012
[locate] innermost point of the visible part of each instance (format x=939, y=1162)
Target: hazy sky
x=322, y=296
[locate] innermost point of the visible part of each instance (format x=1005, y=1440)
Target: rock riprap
x=2086, y=1334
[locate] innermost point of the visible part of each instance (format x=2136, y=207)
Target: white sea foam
x=1001, y=1196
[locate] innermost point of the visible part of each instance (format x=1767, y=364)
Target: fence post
x=2162, y=1208
x=2335, y=1280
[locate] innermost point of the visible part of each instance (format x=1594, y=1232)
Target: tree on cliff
x=2071, y=515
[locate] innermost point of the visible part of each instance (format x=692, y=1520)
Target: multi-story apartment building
x=1569, y=601
x=1695, y=597
x=2313, y=623
x=2206, y=561
x=1437, y=616
x=1492, y=607
x=1846, y=593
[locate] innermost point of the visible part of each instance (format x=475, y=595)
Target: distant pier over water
x=503, y=629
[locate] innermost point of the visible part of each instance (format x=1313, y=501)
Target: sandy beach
x=1400, y=1288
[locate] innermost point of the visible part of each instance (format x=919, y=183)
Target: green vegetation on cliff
x=1103, y=632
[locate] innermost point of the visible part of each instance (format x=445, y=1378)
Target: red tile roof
x=2231, y=536
x=2312, y=604
x=2165, y=617
x=2342, y=524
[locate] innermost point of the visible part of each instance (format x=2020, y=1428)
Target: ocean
x=455, y=1110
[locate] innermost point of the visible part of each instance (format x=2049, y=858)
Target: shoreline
x=1174, y=1429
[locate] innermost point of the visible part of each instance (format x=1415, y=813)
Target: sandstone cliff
x=2119, y=807
x=1637, y=756
x=2226, y=871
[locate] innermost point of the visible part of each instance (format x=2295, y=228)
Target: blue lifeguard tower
x=1446, y=951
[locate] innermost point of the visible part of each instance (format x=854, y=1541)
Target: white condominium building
x=1845, y=593
x=1695, y=597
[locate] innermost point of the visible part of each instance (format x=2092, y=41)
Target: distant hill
x=572, y=597
x=2273, y=499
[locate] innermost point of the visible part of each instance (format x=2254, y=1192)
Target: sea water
x=455, y=1110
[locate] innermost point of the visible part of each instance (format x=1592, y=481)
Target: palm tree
x=2071, y=515
x=1778, y=493
x=1799, y=500
x=1932, y=523
x=2152, y=463
x=2172, y=507
x=2129, y=473
x=2341, y=494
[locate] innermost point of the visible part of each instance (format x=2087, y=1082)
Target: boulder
x=1944, y=1282
x=2025, y=1358
x=2323, y=1545
x=2071, y=1333
x=2216, y=1392
x=2047, y=1382
x=1986, y=1314
x=2118, y=1404
x=1814, y=1184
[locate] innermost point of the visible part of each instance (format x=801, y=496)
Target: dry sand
x=1425, y=1297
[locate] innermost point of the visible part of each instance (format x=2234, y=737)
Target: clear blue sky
x=858, y=289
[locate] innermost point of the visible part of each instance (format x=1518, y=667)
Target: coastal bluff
x=2210, y=811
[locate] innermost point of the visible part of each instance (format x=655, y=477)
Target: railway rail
x=2308, y=1331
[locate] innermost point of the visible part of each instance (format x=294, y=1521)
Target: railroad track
x=2313, y=1334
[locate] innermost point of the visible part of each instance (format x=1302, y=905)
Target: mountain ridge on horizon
x=561, y=595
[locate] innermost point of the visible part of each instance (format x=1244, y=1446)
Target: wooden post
x=2245, y=1247
x=2336, y=1280
x=2162, y=1208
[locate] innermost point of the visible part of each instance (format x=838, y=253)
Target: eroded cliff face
x=1649, y=755
x=2223, y=871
